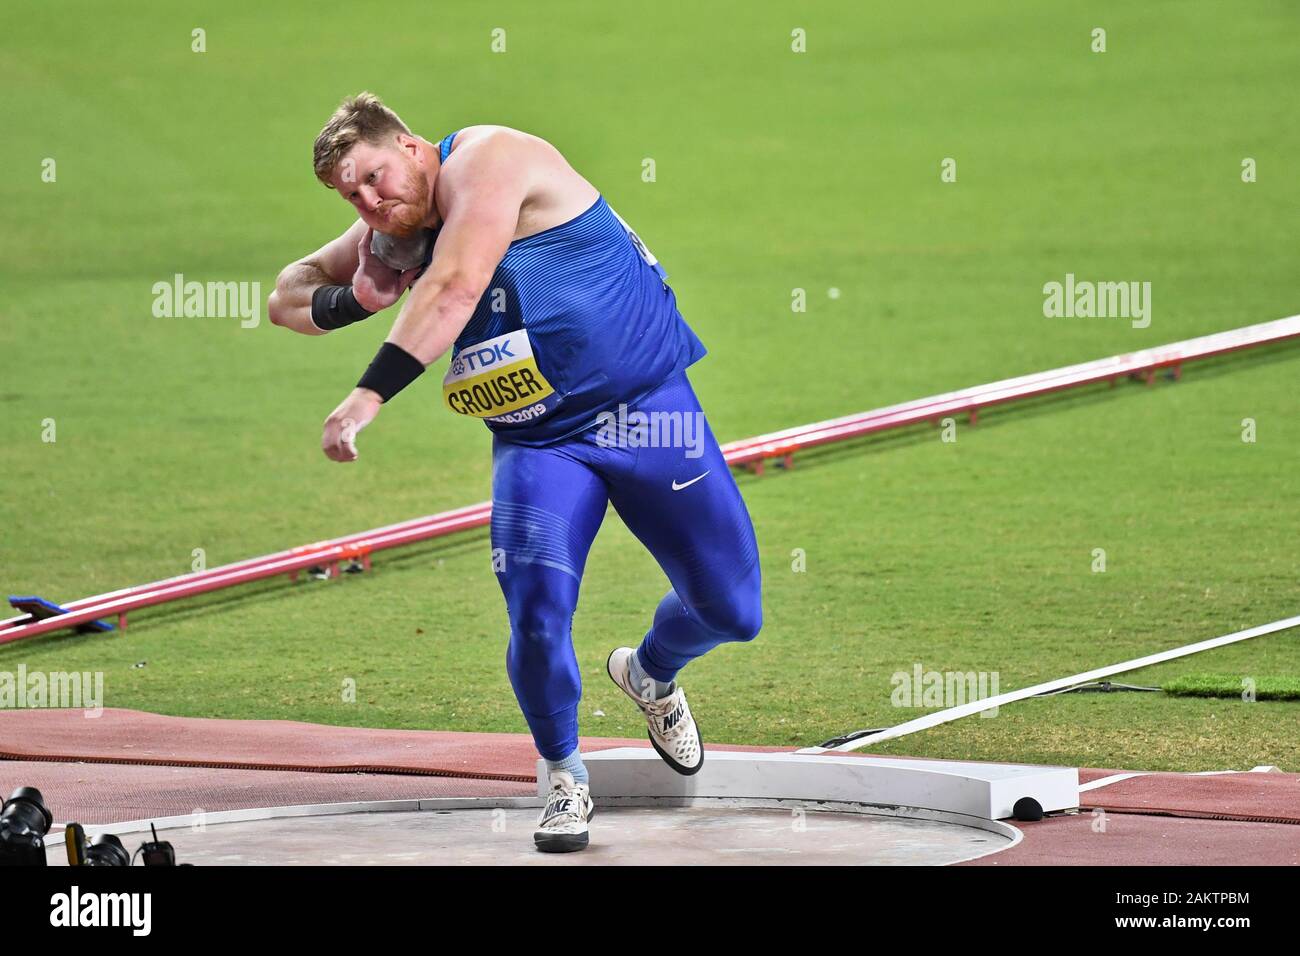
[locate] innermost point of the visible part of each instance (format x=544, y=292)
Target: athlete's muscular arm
x=331, y=264
x=342, y=261
x=482, y=196
x=484, y=193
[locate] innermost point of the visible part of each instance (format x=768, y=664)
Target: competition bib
x=498, y=380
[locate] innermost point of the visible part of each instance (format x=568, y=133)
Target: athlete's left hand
x=375, y=284
x=358, y=410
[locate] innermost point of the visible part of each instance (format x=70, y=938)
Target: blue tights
x=547, y=505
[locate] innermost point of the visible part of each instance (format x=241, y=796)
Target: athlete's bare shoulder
x=554, y=191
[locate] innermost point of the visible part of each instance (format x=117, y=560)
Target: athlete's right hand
x=376, y=285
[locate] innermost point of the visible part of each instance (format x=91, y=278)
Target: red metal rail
x=751, y=451
x=968, y=401
x=352, y=546
x=330, y=553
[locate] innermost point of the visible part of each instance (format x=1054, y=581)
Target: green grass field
x=775, y=171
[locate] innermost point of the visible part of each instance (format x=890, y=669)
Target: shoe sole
x=680, y=768
x=561, y=842
x=564, y=842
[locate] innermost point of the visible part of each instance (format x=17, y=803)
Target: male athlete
x=558, y=318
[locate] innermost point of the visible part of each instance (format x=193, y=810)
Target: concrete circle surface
x=698, y=834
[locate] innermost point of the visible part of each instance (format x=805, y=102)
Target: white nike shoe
x=562, y=827
x=672, y=728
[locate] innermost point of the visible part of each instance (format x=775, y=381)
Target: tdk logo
x=482, y=358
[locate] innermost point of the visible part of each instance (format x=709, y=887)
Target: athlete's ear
x=410, y=146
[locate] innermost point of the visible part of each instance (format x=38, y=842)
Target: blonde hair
x=360, y=118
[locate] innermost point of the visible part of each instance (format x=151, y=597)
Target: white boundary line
x=1117, y=777
x=1113, y=778
x=975, y=707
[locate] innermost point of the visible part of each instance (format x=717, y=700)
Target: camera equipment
x=107, y=850
x=24, y=821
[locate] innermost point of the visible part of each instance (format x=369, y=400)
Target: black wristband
x=334, y=306
x=392, y=369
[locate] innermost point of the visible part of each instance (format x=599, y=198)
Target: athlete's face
x=386, y=185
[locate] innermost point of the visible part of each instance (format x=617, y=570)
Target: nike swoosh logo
x=687, y=484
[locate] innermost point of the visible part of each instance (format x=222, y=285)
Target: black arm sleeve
x=334, y=306
x=392, y=369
